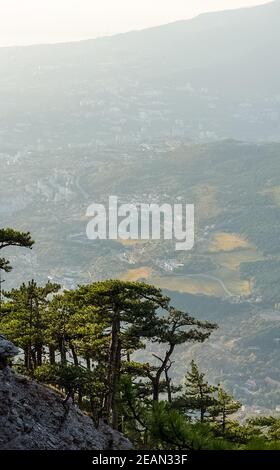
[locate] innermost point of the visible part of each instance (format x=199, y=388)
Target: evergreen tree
x=25, y=323
x=174, y=329
x=75, y=381
x=169, y=428
x=5, y=265
x=11, y=237
x=198, y=394
x=224, y=406
x=130, y=310
x=75, y=329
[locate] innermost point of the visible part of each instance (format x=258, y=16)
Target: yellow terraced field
x=226, y=242
x=240, y=287
x=189, y=285
x=131, y=242
x=230, y=285
x=233, y=259
x=135, y=274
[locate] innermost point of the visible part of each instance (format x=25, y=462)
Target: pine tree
x=25, y=323
x=11, y=237
x=174, y=329
x=75, y=329
x=169, y=429
x=198, y=394
x=5, y=265
x=130, y=309
x=225, y=406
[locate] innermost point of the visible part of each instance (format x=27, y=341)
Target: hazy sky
x=41, y=21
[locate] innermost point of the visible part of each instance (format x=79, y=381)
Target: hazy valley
x=144, y=117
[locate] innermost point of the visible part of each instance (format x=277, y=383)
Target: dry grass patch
x=226, y=242
x=232, y=260
x=137, y=273
x=189, y=285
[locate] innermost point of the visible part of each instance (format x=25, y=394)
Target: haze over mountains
x=144, y=116
x=214, y=76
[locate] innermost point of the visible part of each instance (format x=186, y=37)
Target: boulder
x=7, y=350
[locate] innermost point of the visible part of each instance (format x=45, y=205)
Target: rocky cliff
x=33, y=416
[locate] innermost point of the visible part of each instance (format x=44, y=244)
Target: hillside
x=231, y=275
x=215, y=76
x=33, y=417
x=189, y=111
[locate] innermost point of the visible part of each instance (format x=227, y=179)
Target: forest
x=83, y=342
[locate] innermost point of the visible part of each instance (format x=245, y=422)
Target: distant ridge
x=218, y=72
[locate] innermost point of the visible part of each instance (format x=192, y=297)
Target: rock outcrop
x=7, y=350
x=33, y=416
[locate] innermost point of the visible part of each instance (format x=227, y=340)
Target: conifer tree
x=174, y=329
x=5, y=267
x=130, y=308
x=26, y=322
x=224, y=406
x=76, y=329
x=11, y=237
x=198, y=394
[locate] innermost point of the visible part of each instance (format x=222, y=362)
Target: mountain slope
x=33, y=417
x=210, y=77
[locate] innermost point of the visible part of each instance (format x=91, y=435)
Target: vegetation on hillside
x=83, y=343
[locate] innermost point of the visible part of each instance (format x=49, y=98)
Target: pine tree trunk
x=88, y=363
x=52, y=355
x=201, y=416
x=39, y=354
x=168, y=385
x=156, y=389
x=111, y=403
x=80, y=399
x=224, y=423
x=115, y=383
x=62, y=352
x=27, y=358
x=33, y=359
x=74, y=355
x=156, y=381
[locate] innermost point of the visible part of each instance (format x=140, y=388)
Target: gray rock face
x=7, y=349
x=33, y=416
